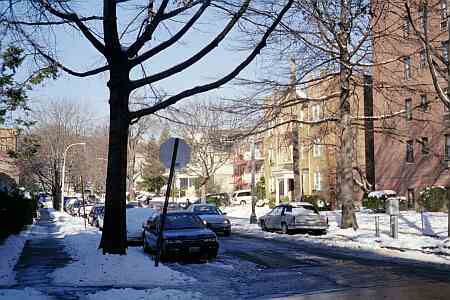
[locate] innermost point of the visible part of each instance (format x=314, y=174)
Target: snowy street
x=60, y=260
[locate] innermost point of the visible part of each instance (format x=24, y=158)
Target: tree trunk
x=345, y=123
x=203, y=191
x=114, y=237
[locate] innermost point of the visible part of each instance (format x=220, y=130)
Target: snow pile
x=244, y=212
x=26, y=293
x=10, y=252
x=91, y=267
x=151, y=294
x=421, y=236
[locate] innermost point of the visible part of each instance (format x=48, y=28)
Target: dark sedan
x=184, y=236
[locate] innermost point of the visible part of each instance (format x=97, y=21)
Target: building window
x=444, y=46
x=422, y=17
x=424, y=103
x=407, y=63
x=447, y=147
x=317, y=148
x=406, y=27
x=317, y=185
x=425, y=146
x=315, y=112
x=444, y=15
x=301, y=117
x=281, y=188
x=409, y=151
x=422, y=59
x=408, y=108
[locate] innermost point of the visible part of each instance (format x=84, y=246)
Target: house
x=305, y=121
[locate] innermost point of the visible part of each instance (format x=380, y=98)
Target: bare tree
x=41, y=153
x=208, y=132
x=126, y=44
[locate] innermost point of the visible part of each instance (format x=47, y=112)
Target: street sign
x=183, y=153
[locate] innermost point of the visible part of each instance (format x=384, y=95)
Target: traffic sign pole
x=166, y=201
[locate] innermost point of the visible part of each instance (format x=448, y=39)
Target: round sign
x=166, y=152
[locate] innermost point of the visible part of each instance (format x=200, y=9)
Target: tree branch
x=198, y=56
x=213, y=85
x=173, y=39
x=72, y=17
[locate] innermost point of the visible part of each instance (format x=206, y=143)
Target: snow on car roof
x=300, y=203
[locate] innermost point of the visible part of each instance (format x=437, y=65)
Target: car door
x=276, y=218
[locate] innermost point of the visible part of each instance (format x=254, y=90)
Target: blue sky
x=75, y=52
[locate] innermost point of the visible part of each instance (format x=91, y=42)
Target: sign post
x=180, y=156
x=393, y=210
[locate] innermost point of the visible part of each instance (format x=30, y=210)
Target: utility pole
x=253, y=219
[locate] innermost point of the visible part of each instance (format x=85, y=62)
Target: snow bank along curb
x=421, y=237
x=150, y=294
x=91, y=268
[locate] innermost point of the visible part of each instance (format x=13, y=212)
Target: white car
x=241, y=197
x=136, y=218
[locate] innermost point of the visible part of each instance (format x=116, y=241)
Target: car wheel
x=96, y=224
x=145, y=245
x=212, y=255
x=263, y=226
x=243, y=203
x=284, y=228
x=227, y=232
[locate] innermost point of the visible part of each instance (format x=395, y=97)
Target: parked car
x=136, y=218
x=213, y=218
x=101, y=219
x=241, y=197
x=87, y=208
x=132, y=204
x=184, y=235
x=94, y=213
x=294, y=216
x=218, y=199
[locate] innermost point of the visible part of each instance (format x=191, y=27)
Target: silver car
x=294, y=216
x=212, y=217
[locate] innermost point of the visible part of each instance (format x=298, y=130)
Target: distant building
x=9, y=174
x=317, y=142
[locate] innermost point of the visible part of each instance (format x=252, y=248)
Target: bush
x=374, y=203
x=315, y=199
x=433, y=199
x=272, y=201
x=15, y=212
x=284, y=199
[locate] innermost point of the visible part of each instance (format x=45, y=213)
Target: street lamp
x=63, y=171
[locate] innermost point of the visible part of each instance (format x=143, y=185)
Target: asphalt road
x=256, y=268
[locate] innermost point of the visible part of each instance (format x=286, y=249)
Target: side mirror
x=224, y=213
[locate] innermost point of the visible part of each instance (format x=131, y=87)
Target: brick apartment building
x=412, y=148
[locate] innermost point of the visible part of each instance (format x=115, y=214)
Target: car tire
x=263, y=226
x=227, y=232
x=145, y=245
x=284, y=228
x=96, y=224
x=212, y=255
x=243, y=203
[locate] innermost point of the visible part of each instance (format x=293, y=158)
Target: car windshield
x=302, y=210
x=182, y=221
x=207, y=210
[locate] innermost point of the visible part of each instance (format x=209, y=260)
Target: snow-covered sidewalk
x=421, y=236
x=90, y=268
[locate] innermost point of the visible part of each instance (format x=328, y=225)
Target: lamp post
x=63, y=171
